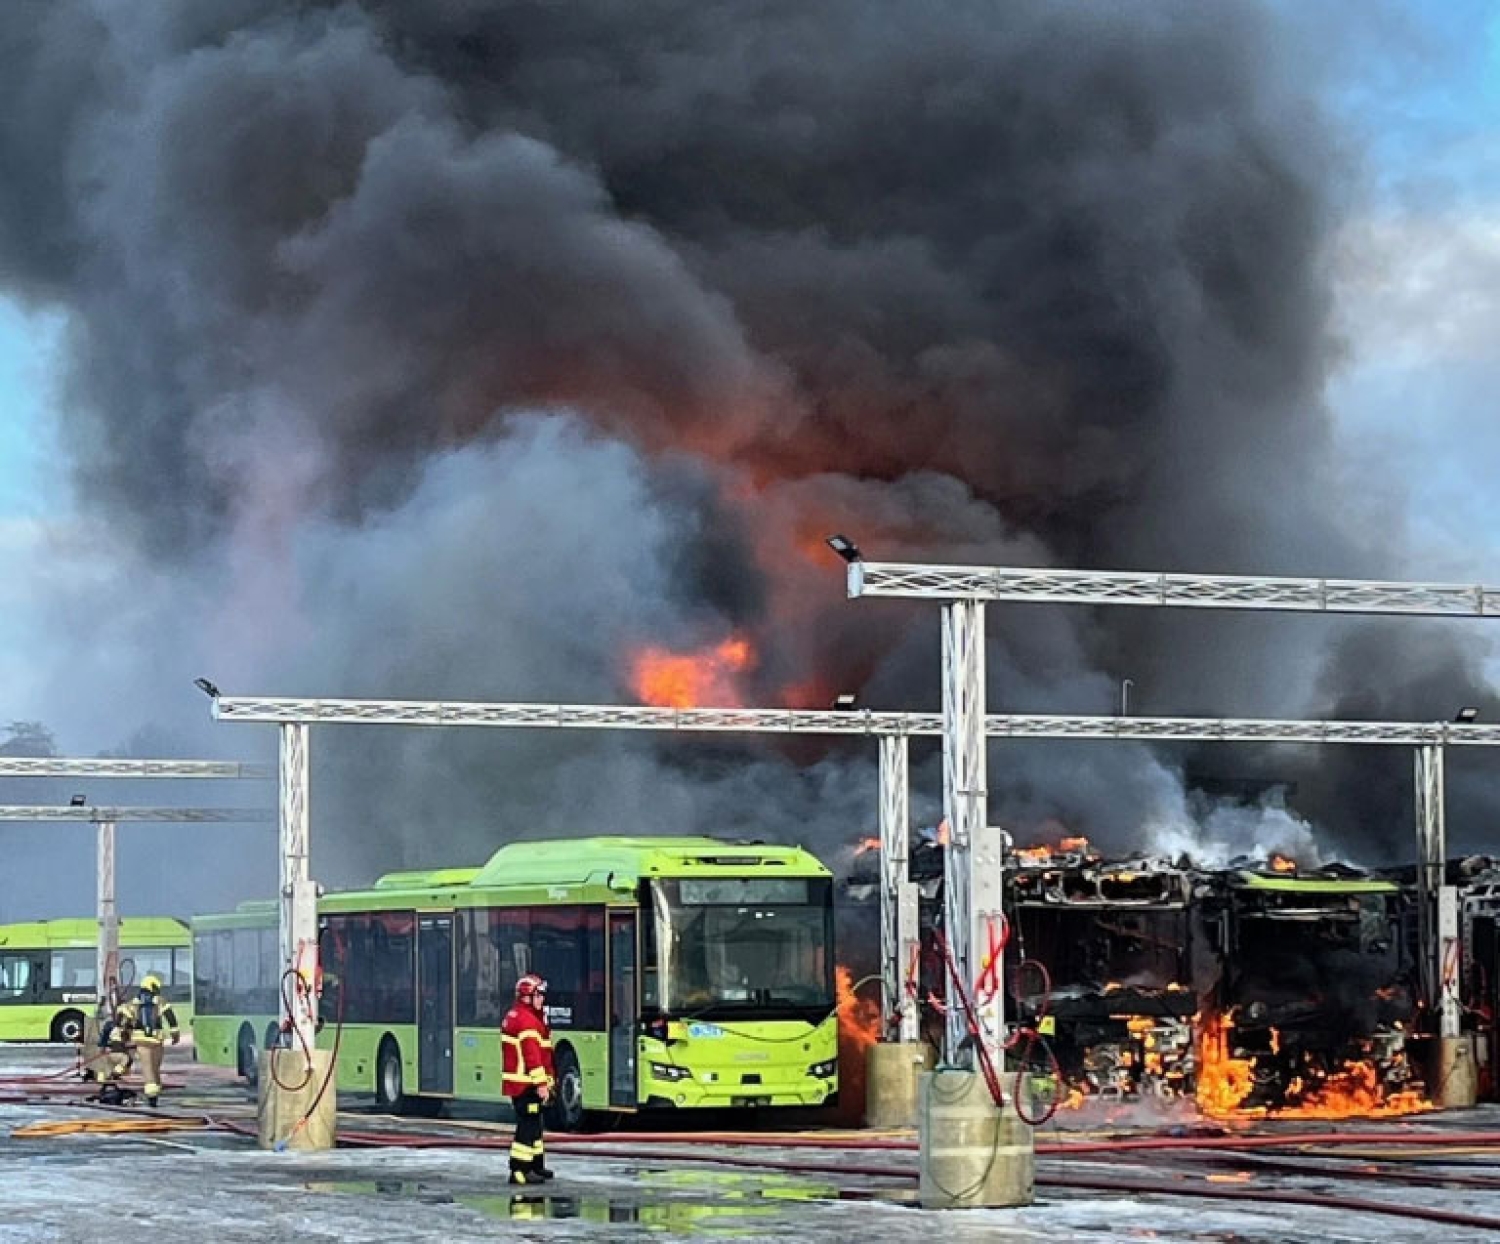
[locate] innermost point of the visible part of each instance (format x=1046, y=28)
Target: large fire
x=689, y=679
x=859, y=1018
x=1225, y=1083
x=859, y=1029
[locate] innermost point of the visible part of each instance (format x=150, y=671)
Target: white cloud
x=1420, y=288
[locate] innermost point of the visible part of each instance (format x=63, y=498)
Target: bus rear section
x=49, y=972
x=236, y=971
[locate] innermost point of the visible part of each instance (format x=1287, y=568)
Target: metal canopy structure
x=109, y=767
x=271, y=710
x=972, y=888
x=104, y=820
x=897, y=898
x=1193, y=591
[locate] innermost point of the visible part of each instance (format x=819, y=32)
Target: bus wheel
x=388, y=1077
x=245, y=1058
x=68, y=1026
x=565, y=1112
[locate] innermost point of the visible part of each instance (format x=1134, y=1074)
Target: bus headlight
x=665, y=1071
x=824, y=1070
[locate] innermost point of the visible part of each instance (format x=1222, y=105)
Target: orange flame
x=1043, y=854
x=943, y=833
x=688, y=679
x=867, y=844
x=859, y=1018
x=1354, y=1090
x=1281, y=864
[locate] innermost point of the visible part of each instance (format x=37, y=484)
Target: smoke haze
x=456, y=350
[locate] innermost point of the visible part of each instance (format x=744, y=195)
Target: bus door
x=435, y=1002
x=624, y=1009
x=23, y=975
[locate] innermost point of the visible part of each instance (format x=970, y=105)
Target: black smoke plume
x=453, y=349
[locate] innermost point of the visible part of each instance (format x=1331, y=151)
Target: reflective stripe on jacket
x=525, y=1051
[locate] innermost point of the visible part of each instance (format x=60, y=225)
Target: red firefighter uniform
x=527, y=1076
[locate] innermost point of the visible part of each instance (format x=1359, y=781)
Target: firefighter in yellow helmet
x=154, y=1021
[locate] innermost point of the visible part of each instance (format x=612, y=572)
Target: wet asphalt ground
x=444, y=1179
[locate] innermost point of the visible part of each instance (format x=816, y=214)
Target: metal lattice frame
x=105, y=820
x=298, y=894
x=899, y=934
x=964, y=726
x=972, y=878
x=277, y=711
x=164, y=816
x=1436, y=900
x=298, y=713
x=1115, y=587
x=68, y=766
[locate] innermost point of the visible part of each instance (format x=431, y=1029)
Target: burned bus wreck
x=1251, y=987
x=1315, y=1002
x=1117, y=944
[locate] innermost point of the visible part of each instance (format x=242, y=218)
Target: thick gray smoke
x=458, y=349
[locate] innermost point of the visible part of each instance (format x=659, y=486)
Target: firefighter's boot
x=539, y=1172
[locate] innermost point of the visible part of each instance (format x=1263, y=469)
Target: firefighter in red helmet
x=527, y=1077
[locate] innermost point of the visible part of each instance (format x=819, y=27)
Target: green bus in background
x=683, y=973
x=49, y=972
x=236, y=977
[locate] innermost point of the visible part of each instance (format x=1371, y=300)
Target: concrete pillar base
x=891, y=1071
x=1455, y=1074
x=974, y=1154
x=281, y=1111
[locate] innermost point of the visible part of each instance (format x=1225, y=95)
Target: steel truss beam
x=24, y=812
x=104, y=820
x=1201, y=591
x=273, y=710
x=68, y=766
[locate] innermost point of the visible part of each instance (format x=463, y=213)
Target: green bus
x=49, y=972
x=683, y=973
x=236, y=978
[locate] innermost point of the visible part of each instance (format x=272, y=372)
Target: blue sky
x=33, y=483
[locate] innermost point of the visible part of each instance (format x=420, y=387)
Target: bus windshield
x=739, y=945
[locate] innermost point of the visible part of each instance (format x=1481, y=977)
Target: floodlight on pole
x=845, y=548
x=1466, y=716
x=844, y=701
x=76, y=802
x=208, y=689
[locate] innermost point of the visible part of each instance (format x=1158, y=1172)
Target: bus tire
x=246, y=1060
x=67, y=1026
x=565, y=1112
x=389, y=1077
